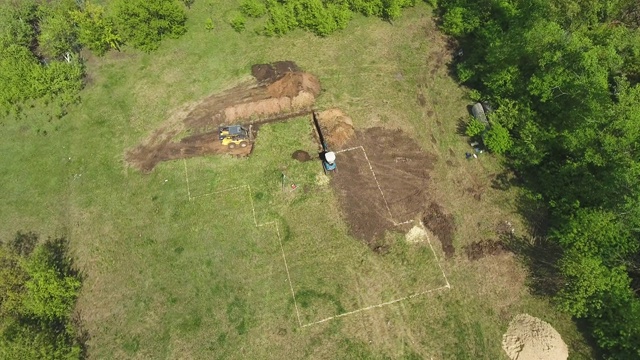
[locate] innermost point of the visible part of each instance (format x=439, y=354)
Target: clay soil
x=402, y=170
x=279, y=91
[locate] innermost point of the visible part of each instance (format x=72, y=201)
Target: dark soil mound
x=442, y=226
x=482, y=248
x=301, y=155
x=268, y=73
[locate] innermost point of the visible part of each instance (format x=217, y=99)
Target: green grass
x=167, y=277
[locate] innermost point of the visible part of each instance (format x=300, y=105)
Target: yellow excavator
x=233, y=136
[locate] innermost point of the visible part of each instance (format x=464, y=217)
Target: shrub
x=474, y=127
x=282, y=19
x=253, y=8
x=144, y=23
x=498, y=139
x=96, y=31
x=237, y=22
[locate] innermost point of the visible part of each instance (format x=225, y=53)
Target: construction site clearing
x=382, y=182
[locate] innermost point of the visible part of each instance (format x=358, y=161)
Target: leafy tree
x=143, y=24
x=58, y=36
x=38, y=290
x=95, y=30
x=497, y=138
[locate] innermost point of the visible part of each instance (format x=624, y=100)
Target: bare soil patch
x=301, y=155
x=442, y=226
x=482, y=248
x=402, y=173
x=280, y=91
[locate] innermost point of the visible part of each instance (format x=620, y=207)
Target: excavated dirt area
x=442, y=226
x=402, y=172
x=279, y=91
x=483, y=248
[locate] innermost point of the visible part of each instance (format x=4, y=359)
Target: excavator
x=328, y=157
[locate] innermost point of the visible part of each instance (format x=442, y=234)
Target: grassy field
x=189, y=261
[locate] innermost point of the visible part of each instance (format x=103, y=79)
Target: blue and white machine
x=329, y=160
x=328, y=157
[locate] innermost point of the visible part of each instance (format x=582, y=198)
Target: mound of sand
x=416, y=234
x=337, y=127
x=529, y=338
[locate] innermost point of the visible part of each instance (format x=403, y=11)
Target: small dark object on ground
x=482, y=248
x=301, y=155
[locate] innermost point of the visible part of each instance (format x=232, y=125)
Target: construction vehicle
x=328, y=157
x=233, y=136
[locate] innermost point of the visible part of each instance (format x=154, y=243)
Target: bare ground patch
x=487, y=247
x=279, y=91
x=442, y=226
x=397, y=192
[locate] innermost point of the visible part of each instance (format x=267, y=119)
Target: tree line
x=563, y=78
x=40, y=43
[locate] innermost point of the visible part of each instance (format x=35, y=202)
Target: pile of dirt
x=401, y=171
x=442, y=226
x=529, y=338
x=482, y=248
x=337, y=127
x=269, y=73
x=301, y=155
x=291, y=93
x=282, y=91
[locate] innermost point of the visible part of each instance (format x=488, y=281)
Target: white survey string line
x=376, y=306
x=447, y=286
x=255, y=221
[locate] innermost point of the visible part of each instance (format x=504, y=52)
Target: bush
x=498, y=139
x=237, y=22
x=253, y=8
x=144, y=23
x=474, y=127
x=323, y=17
x=95, y=31
x=282, y=19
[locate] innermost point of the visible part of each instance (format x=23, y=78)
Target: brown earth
x=482, y=248
x=337, y=127
x=402, y=171
x=442, y=226
x=280, y=91
x=301, y=155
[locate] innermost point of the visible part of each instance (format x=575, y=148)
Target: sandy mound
x=416, y=234
x=337, y=127
x=529, y=338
